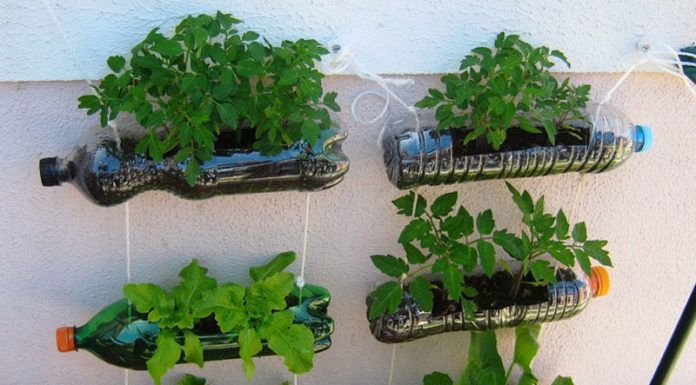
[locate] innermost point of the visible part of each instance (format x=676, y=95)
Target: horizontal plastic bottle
x=123, y=337
x=430, y=157
x=109, y=172
x=566, y=298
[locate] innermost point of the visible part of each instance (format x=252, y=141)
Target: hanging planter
x=221, y=113
x=453, y=245
x=199, y=320
x=506, y=116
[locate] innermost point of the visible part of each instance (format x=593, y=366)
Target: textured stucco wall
x=64, y=258
x=415, y=36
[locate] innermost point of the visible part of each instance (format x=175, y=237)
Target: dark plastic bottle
x=108, y=170
x=123, y=337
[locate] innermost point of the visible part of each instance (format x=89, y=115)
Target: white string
x=391, y=366
x=300, y=279
x=341, y=61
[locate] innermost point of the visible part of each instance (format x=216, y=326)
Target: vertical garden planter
x=433, y=157
x=535, y=304
x=109, y=174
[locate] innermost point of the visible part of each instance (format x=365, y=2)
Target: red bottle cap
x=65, y=339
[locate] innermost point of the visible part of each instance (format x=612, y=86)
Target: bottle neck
x=54, y=171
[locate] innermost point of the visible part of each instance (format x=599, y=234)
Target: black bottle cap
x=48, y=169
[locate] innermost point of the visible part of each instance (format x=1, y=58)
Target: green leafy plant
x=509, y=86
x=452, y=244
x=209, y=77
x=255, y=314
x=485, y=367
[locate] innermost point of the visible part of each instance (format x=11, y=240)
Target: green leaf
x=390, y=265
x=310, y=131
x=165, y=357
x=464, y=255
x=250, y=35
x=227, y=302
x=194, y=282
x=276, y=265
x=190, y=379
x=560, y=55
x=595, y=249
x=437, y=378
x=523, y=201
x=416, y=229
x=249, y=346
x=510, y=243
x=267, y=295
x=561, y=226
x=405, y=205
x=443, y=204
x=228, y=114
x=485, y=223
x=193, y=350
x=330, y=101
x=116, y=63
x=483, y=352
x=452, y=279
x=542, y=271
x=561, y=253
x=584, y=261
x=562, y=381
x=248, y=68
x=296, y=345
x=526, y=345
x=527, y=378
x=486, y=253
x=193, y=169
x=149, y=298
x=413, y=254
x=419, y=288
x=579, y=232
x=385, y=299
x=168, y=48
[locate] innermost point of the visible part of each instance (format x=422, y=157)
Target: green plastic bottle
x=121, y=336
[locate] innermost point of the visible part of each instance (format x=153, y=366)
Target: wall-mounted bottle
x=564, y=299
x=433, y=157
x=108, y=170
x=121, y=336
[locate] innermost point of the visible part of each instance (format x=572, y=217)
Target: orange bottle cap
x=65, y=339
x=599, y=281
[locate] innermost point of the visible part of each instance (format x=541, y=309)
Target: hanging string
x=300, y=281
x=113, y=126
x=342, y=60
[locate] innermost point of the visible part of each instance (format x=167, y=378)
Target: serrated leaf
x=485, y=223
x=419, y=288
x=296, y=345
x=330, y=101
x=116, y=63
x=166, y=355
x=276, y=265
x=464, y=255
x=248, y=68
x=416, y=229
x=579, y=232
x=526, y=345
x=193, y=350
x=561, y=225
x=405, y=205
x=452, y=279
x=583, y=260
x=194, y=282
x=250, y=35
x=483, y=352
x=560, y=252
x=149, y=298
x=249, y=346
x=193, y=169
x=385, y=299
x=443, y=204
x=228, y=114
x=595, y=249
x=562, y=381
x=437, y=378
x=486, y=253
x=542, y=271
x=510, y=243
x=310, y=131
x=390, y=265
x=267, y=295
x=413, y=254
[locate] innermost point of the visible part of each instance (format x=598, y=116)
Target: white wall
x=64, y=258
x=390, y=36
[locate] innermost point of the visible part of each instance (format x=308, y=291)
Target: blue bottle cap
x=644, y=137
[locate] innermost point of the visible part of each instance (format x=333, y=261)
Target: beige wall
x=64, y=258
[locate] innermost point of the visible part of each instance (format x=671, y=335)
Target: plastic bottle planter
x=433, y=157
x=109, y=174
x=123, y=337
x=559, y=301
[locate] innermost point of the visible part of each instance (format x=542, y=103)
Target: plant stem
x=518, y=280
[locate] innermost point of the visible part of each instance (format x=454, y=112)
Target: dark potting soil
x=494, y=292
x=517, y=139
